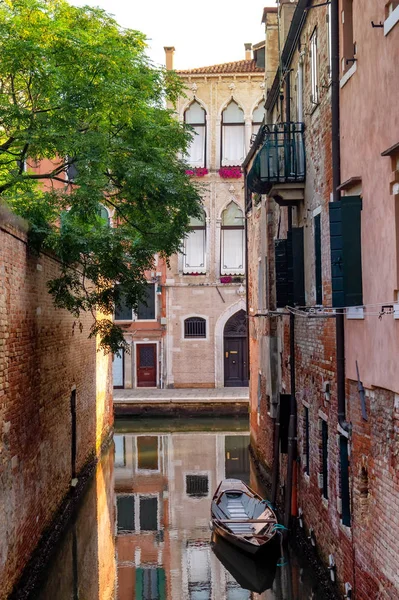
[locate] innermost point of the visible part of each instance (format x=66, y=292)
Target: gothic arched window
x=195, y=246
x=232, y=241
x=233, y=135
x=195, y=116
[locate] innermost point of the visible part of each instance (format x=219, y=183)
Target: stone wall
x=45, y=354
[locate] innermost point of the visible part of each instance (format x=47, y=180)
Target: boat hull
x=240, y=543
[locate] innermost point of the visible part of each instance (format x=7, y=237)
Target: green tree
x=78, y=92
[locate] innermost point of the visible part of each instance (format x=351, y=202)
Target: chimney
x=248, y=51
x=169, y=52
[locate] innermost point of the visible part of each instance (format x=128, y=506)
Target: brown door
x=235, y=362
x=146, y=357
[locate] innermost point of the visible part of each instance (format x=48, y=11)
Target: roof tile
x=239, y=66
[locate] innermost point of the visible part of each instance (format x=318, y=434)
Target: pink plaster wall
x=370, y=125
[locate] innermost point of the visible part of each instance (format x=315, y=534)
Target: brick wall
x=44, y=354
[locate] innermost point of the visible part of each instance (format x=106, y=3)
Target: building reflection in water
x=163, y=487
x=164, y=484
x=83, y=565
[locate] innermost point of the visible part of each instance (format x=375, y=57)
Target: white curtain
x=194, y=252
x=232, y=252
x=196, y=151
x=233, y=145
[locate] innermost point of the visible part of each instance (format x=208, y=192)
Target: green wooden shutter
x=317, y=256
x=283, y=274
x=336, y=245
x=139, y=583
x=298, y=266
x=351, y=234
x=345, y=495
x=346, y=256
x=161, y=584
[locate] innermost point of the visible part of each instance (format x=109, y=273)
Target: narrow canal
x=142, y=529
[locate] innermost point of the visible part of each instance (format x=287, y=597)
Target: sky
x=205, y=32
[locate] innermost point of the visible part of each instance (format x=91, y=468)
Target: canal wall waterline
x=55, y=400
x=180, y=402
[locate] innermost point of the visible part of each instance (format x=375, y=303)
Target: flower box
x=230, y=172
x=197, y=172
x=226, y=279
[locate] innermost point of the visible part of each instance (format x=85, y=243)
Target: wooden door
x=146, y=360
x=235, y=362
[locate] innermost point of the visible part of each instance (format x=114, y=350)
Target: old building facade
x=318, y=203
x=206, y=341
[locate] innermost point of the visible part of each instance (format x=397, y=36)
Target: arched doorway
x=236, y=351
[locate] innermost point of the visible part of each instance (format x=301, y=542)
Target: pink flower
x=230, y=172
x=197, y=172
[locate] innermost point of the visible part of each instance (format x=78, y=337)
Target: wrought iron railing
x=281, y=158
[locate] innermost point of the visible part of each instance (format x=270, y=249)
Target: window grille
x=197, y=486
x=195, y=327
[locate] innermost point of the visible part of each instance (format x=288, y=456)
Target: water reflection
x=83, y=565
x=142, y=531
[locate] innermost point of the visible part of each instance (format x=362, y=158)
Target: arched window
x=233, y=135
x=195, y=247
x=257, y=117
x=195, y=116
x=195, y=327
x=232, y=250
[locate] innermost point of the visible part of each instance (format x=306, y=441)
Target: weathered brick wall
x=375, y=491
x=44, y=354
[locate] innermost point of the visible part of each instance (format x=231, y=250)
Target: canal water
x=142, y=532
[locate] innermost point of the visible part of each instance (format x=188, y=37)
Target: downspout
x=246, y=200
x=336, y=173
x=292, y=422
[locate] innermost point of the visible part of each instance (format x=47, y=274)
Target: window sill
x=391, y=21
x=345, y=78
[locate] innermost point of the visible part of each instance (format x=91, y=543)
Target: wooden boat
x=241, y=516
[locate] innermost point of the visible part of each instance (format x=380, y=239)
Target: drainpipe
x=292, y=422
x=336, y=173
x=246, y=195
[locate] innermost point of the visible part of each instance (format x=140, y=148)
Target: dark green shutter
x=345, y=496
x=307, y=441
x=298, y=266
x=336, y=245
x=317, y=256
x=351, y=234
x=346, y=256
x=280, y=257
x=324, y=441
x=285, y=405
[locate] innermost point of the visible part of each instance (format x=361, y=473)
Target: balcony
x=278, y=169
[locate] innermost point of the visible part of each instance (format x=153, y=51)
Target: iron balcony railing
x=281, y=158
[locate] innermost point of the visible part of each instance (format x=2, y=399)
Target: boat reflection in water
x=252, y=573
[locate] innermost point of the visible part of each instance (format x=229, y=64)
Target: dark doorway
x=236, y=351
x=237, y=457
x=146, y=365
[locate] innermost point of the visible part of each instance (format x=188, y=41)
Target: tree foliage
x=78, y=91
